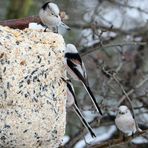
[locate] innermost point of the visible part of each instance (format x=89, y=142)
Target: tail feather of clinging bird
x=92, y=98
x=85, y=83
x=76, y=109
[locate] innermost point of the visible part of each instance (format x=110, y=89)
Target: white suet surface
x=33, y=100
x=36, y=26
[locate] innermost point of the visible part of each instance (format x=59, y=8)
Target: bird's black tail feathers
x=92, y=98
x=84, y=121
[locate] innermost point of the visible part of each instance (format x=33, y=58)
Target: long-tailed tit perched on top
x=125, y=121
x=49, y=15
x=71, y=101
x=77, y=71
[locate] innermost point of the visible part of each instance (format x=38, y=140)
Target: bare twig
x=80, y=134
x=124, y=92
x=20, y=23
x=98, y=46
x=132, y=90
x=97, y=26
x=120, y=141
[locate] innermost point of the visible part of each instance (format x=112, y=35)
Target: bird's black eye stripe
x=75, y=70
x=45, y=6
x=70, y=89
x=75, y=56
x=73, y=93
x=70, y=64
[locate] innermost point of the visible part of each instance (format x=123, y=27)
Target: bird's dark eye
x=54, y=14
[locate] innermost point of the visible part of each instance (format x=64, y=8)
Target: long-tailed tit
x=77, y=71
x=125, y=121
x=49, y=15
x=71, y=101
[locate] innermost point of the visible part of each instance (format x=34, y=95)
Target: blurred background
x=112, y=38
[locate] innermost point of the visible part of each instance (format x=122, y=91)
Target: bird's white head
x=70, y=48
x=123, y=110
x=52, y=8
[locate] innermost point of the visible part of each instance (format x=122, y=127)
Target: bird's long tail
x=76, y=109
x=92, y=98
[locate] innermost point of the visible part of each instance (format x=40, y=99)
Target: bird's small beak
x=56, y=16
x=69, y=29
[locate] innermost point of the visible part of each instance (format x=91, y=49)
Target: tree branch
x=98, y=46
x=20, y=23
x=120, y=141
x=23, y=23
x=132, y=90
x=123, y=90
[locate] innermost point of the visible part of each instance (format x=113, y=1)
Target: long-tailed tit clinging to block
x=125, y=121
x=77, y=71
x=49, y=15
x=71, y=101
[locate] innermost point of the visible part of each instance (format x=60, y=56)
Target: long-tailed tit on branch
x=49, y=15
x=71, y=101
x=125, y=121
x=77, y=71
